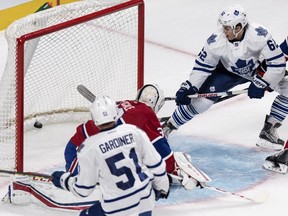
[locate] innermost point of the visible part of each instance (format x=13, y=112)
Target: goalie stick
x=85, y=92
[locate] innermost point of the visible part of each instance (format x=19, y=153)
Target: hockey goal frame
x=19, y=119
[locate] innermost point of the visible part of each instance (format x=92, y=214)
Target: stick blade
x=261, y=197
x=86, y=93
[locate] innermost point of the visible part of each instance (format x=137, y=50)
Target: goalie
x=142, y=113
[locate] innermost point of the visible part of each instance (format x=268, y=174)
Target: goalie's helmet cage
x=152, y=96
x=232, y=16
x=103, y=110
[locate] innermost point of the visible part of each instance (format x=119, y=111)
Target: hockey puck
x=38, y=125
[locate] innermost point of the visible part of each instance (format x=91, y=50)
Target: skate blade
x=262, y=143
x=282, y=168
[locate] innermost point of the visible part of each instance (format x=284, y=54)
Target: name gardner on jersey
x=116, y=142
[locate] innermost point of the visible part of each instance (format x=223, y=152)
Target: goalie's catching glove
x=186, y=89
x=60, y=179
x=257, y=87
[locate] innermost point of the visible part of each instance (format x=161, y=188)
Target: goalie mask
x=152, y=96
x=103, y=110
x=232, y=16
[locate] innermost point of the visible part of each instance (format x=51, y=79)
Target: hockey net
x=95, y=43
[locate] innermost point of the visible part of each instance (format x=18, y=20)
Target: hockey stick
x=162, y=119
x=260, y=198
x=33, y=174
x=85, y=92
x=215, y=94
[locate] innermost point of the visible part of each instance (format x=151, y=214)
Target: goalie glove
x=186, y=89
x=257, y=87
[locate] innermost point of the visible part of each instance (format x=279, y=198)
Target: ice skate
x=278, y=162
x=269, y=138
x=168, y=128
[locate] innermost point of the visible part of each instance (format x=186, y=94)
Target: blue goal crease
x=231, y=167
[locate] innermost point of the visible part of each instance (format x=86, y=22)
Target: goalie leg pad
x=18, y=191
x=193, y=171
x=186, y=173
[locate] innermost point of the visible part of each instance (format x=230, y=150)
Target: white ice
x=175, y=32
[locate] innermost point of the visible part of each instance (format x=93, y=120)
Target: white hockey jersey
x=126, y=165
x=240, y=57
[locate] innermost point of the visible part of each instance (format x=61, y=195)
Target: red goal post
x=99, y=44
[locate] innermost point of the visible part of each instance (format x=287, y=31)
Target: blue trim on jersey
x=162, y=147
x=148, y=213
x=273, y=65
x=131, y=206
x=275, y=57
x=155, y=165
x=161, y=174
x=202, y=70
x=84, y=187
x=128, y=195
x=284, y=47
x=204, y=65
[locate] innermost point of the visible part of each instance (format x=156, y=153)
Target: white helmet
x=232, y=16
x=152, y=96
x=103, y=110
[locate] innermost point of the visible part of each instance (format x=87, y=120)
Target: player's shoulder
x=130, y=128
x=256, y=31
x=216, y=40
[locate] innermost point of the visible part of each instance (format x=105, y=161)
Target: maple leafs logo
x=211, y=39
x=243, y=67
x=261, y=31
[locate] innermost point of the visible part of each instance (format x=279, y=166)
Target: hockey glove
x=60, y=179
x=186, y=89
x=161, y=194
x=257, y=87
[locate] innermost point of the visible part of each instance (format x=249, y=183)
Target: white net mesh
x=100, y=53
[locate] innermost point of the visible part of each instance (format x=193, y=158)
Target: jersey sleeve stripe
x=275, y=57
x=127, y=195
x=277, y=65
x=202, y=69
x=155, y=165
x=204, y=65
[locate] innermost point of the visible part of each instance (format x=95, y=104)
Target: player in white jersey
x=232, y=56
x=279, y=161
x=122, y=160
